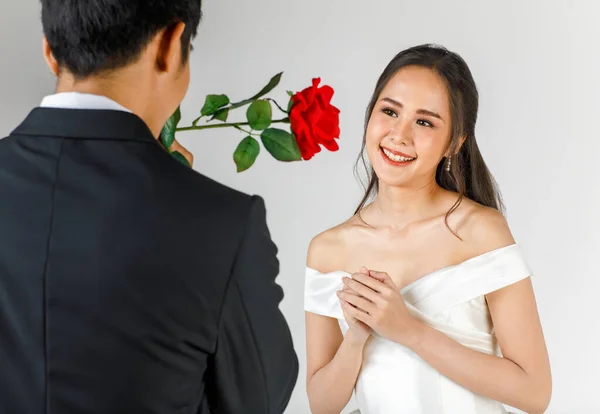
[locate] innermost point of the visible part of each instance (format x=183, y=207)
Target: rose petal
x=307, y=146
x=326, y=140
x=304, y=136
x=325, y=94
x=330, y=129
x=299, y=102
x=313, y=113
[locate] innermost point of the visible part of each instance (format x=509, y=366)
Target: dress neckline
x=410, y=286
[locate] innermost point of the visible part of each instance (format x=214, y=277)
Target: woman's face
x=410, y=128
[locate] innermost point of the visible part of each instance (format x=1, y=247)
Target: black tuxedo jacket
x=130, y=283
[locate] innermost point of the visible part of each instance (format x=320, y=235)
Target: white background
x=537, y=67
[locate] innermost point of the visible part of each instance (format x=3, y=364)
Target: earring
x=449, y=163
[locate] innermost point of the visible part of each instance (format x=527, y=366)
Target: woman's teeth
x=394, y=157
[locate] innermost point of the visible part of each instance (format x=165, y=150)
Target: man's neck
x=122, y=89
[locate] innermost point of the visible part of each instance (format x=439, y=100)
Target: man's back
x=128, y=282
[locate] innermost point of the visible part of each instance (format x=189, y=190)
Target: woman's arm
x=333, y=361
x=333, y=364
x=522, y=377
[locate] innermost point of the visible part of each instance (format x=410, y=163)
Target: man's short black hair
x=88, y=37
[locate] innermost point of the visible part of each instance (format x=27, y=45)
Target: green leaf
x=246, y=153
x=213, y=103
x=221, y=115
x=167, y=135
x=281, y=144
x=270, y=86
x=290, y=93
x=260, y=115
x=290, y=104
x=179, y=157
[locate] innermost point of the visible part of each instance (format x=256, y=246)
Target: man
x=128, y=282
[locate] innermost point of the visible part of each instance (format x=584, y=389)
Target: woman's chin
x=393, y=180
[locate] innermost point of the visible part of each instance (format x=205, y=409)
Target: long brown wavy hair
x=469, y=176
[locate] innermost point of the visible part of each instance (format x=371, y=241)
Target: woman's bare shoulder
x=327, y=251
x=484, y=227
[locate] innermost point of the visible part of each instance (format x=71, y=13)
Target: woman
x=422, y=301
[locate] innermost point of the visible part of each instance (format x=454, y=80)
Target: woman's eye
x=389, y=112
x=425, y=123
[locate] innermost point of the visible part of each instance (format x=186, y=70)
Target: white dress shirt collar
x=78, y=100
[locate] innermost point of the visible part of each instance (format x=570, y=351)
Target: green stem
x=233, y=124
x=277, y=105
x=197, y=120
x=239, y=128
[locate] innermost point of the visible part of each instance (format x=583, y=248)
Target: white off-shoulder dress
x=393, y=379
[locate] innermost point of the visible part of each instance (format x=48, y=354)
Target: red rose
x=314, y=120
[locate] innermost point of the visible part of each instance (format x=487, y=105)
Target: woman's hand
x=358, y=332
x=374, y=299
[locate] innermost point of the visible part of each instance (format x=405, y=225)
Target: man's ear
x=49, y=57
x=169, y=54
